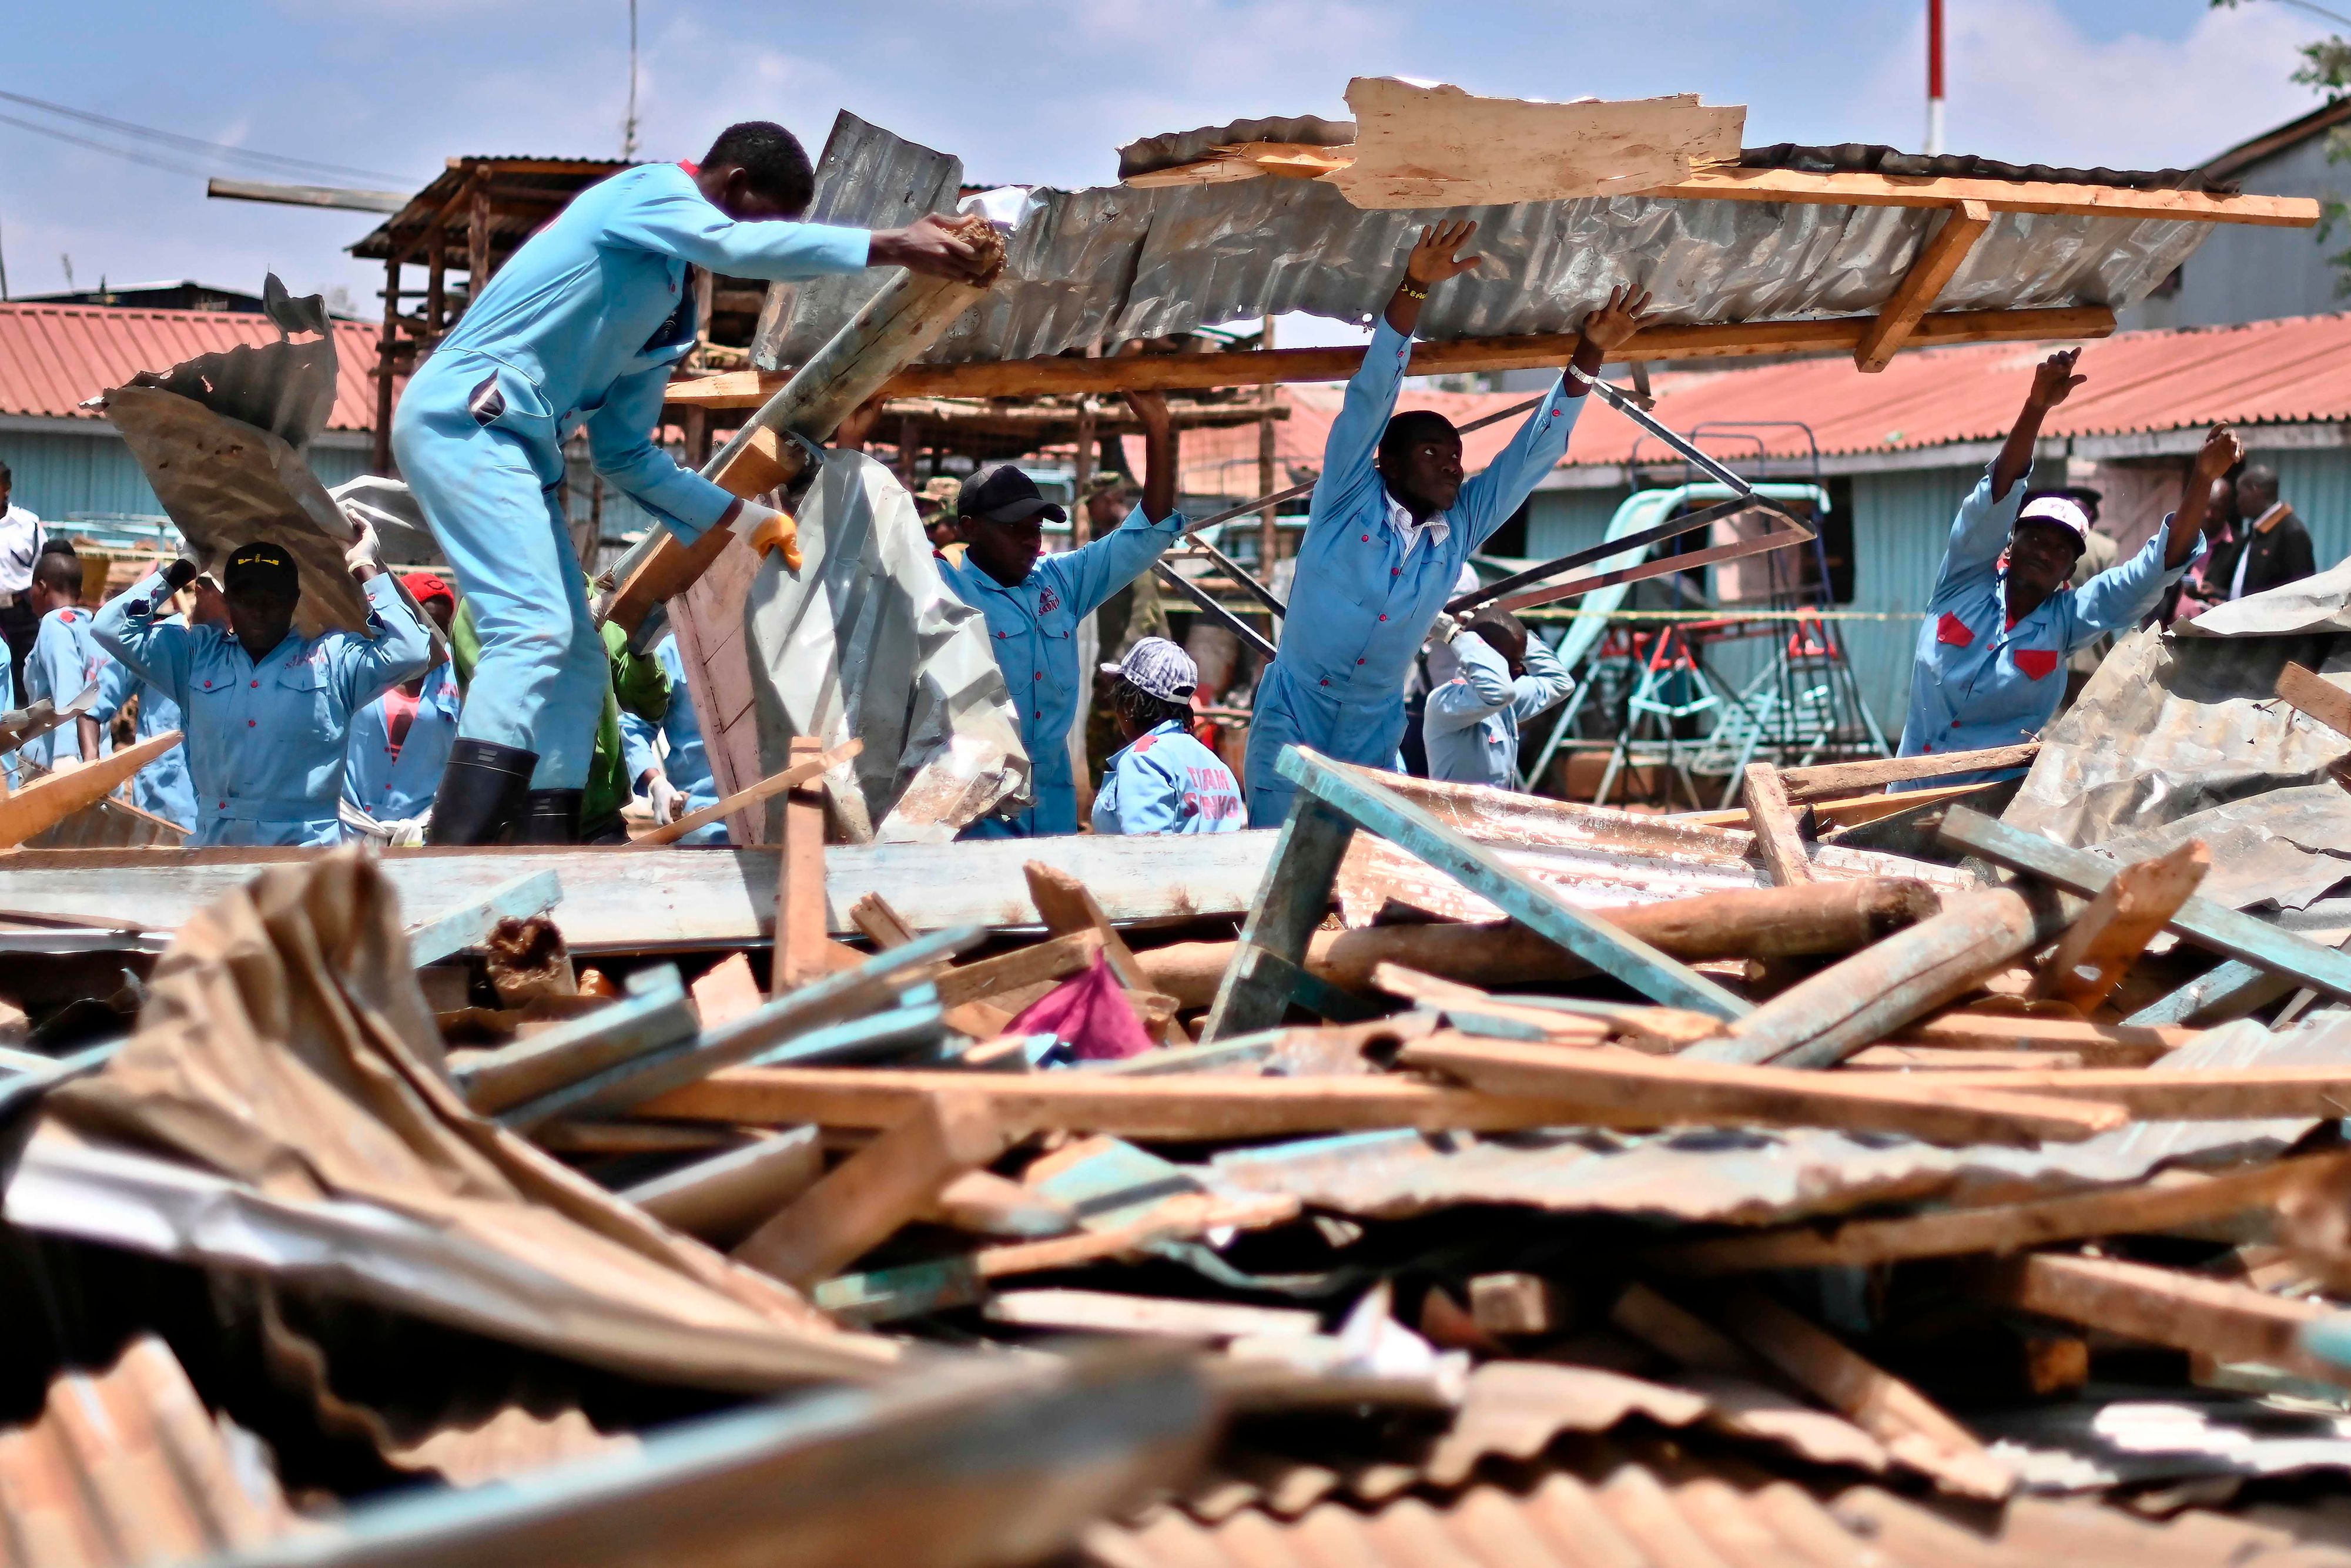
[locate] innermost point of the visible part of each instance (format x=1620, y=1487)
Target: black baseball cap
x=261, y=565
x=1001, y=493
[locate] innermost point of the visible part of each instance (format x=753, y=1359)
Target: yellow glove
x=768, y=529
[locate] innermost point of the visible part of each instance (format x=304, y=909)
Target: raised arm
x=1545, y=683
x=2054, y=382
x=1479, y=686
x=130, y=627
x=365, y=667
x=621, y=445
x=2121, y=596
x=669, y=215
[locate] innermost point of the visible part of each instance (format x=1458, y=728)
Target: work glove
x=768, y=529
x=666, y=798
x=365, y=551
x=1445, y=628
x=407, y=833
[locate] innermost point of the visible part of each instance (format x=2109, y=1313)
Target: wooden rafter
x=1178, y=372
x=1940, y=257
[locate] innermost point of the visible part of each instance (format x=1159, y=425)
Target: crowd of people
x=494, y=708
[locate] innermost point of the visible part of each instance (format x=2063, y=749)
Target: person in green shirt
x=639, y=684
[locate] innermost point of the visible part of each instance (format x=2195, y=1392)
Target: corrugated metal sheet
x=1105, y=265
x=53, y=357
x=87, y=471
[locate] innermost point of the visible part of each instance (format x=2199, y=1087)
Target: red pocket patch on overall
x=2036, y=662
x=1952, y=630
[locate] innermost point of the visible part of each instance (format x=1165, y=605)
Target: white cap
x=2065, y=514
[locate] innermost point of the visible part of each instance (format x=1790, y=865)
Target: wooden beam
x=2097, y=1044
x=653, y=1016
x=1631, y=1089
x=2316, y=695
x=1103, y=1312
x=2216, y=1318
x=50, y=800
x=865, y=1200
x=1875, y=773
x=533, y=893
x=2184, y=1094
x=2106, y=938
x=800, y=771
x=1862, y=190
x=2141, y=1209
x=1775, y=827
x=1039, y=963
x=1194, y=372
x=801, y=924
x=723, y=1198
x=1944, y=250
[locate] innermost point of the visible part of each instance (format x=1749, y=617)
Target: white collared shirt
x=2237, y=581
x=20, y=546
x=1411, y=529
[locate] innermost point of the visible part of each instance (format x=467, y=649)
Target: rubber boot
x=481, y=793
x=550, y=817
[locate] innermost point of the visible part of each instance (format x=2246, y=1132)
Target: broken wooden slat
x=2213, y=926
x=1948, y=1059
x=800, y=922
x=2315, y=694
x=1621, y=1089
x=1480, y=1013
x=2227, y=990
x=800, y=771
x=726, y=991
x=2217, y=1317
x=2108, y=937
x=653, y=1016
x=2097, y=1044
x=1775, y=827
x=1066, y=906
x=2141, y=1208
x=1851, y=777
x=1941, y=256
x=534, y=893
x=1819, y=1021
x=882, y=926
x=724, y=1198
x=1861, y=189
x=47, y=801
x=1040, y=962
x=1104, y=1312
x=2188, y=1094
x=986, y=1204
x=1257, y=986
x=865, y=1200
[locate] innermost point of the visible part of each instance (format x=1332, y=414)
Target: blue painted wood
x=459, y=929
x=657, y=1015
x=2213, y=926
x=2226, y=991
x=1259, y=984
x=1410, y=829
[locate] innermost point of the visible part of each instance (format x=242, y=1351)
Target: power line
x=193, y=144
x=141, y=158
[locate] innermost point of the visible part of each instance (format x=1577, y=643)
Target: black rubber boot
x=550, y=817
x=481, y=793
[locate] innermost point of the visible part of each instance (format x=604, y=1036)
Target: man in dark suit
x=2273, y=546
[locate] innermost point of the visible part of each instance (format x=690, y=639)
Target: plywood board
x=1441, y=147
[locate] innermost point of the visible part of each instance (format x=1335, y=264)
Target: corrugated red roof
x=2291, y=371
x=52, y=357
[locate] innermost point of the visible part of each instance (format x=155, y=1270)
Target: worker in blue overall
x=1391, y=524
x=585, y=324
x=65, y=661
x=1033, y=604
x=1162, y=780
x=399, y=742
x=267, y=711
x=1989, y=669
x=163, y=788
x=1490, y=678
x=680, y=780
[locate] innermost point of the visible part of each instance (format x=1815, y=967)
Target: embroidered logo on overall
x=1047, y=601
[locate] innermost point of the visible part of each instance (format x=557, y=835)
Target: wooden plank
x=1192, y=373
x=882, y=926
x=1039, y=964
x=1874, y=773
x=2200, y=919
x=2217, y=1317
x=1257, y=986
x=2186, y=1094
x=47, y=801
x=726, y=991
x=986, y=1204
x=1944, y=250
x=1356, y=794
x=533, y=893
x=1913, y=1427
x=1775, y=827
x=811, y=762
x=1865, y=190
x=1819, y=1021
x=724, y=1198
x=1632, y=1090
x=2106, y=938
x=655, y=1015
x=1105, y=1311
x=1477, y=1012
x=1945, y=1059
x=2098, y=1044
x=2315, y=694
x=865, y=1200
x=2141, y=1209
x=800, y=954
x=1067, y=908
x=2223, y=992
x=1844, y=811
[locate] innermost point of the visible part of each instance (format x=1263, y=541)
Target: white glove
x=1447, y=627
x=407, y=833
x=367, y=549
x=666, y=797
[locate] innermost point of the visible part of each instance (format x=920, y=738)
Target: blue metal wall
x=1559, y=521
x=66, y=475
x=1900, y=523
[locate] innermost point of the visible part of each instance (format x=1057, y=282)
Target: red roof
x=52, y=357
x=2291, y=371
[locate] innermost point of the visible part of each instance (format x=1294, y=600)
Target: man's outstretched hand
x=963, y=248
x=2221, y=451
x=1433, y=260
x=1612, y=325
x=2054, y=380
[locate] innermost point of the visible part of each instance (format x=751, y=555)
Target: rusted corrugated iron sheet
x=55, y=357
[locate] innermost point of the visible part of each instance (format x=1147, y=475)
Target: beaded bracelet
x=1409, y=292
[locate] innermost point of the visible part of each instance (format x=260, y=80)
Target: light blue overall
x=1168, y=783
x=1033, y=629
x=687, y=765
x=1360, y=605
x=266, y=737
x=585, y=323
x=392, y=782
x=64, y=661
x=163, y=788
x=1471, y=723
x=1976, y=681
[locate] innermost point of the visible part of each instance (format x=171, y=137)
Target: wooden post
x=800, y=925
x=1269, y=534
x=436, y=287
x=387, y=348
x=1082, y=471
x=1271, y=955
x=2100, y=946
x=1937, y=259
x=477, y=236
x=1775, y=827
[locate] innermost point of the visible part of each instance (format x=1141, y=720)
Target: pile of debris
x=1649, y=1190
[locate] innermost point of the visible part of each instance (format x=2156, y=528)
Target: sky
x=1031, y=91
